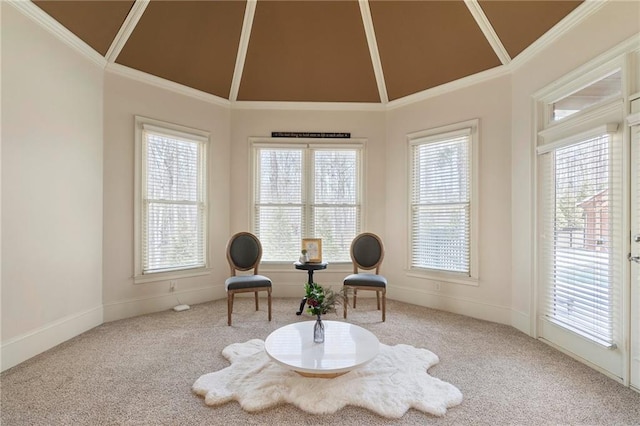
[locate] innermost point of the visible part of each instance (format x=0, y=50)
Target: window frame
x=430, y=136
x=308, y=145
x=195, y=135
x=572, y=83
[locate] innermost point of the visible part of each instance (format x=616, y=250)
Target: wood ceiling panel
x=424, y=44
x=520, y=23
x=194, y=43
x=94, y=22
x=313, y=51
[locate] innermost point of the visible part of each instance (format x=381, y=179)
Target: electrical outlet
x=172, y=285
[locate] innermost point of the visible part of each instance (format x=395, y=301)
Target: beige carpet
x=140, y=371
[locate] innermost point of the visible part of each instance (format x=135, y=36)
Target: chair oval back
x=244, y=251
x=367, y=251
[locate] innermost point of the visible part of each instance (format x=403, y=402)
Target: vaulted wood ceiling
x=310, y=51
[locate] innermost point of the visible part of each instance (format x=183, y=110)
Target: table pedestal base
x=320, y=375
x=302, y=303
x=309, y=267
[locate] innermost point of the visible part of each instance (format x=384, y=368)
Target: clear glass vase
x=318, y=331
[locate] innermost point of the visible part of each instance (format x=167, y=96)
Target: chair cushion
x=246, y=281
x=371, y=280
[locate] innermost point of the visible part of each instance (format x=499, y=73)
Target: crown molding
x=461, y=83
x=578, y=15
x=308, y=106
x=126, y=29
x=367, y=21
x=162, y=83
x=247, y=24
x=29, y=9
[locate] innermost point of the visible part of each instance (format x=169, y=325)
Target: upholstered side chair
x=244, y=252
x=367, y=252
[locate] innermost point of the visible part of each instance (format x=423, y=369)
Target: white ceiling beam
x=126, y=29
x=488, y=31
x=365, y=11
x=247, y=24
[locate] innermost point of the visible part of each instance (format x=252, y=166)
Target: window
x=306, y=191
x=607, y=87
x=171, y=201
x=442, y=207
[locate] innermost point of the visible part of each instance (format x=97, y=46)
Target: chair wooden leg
x=269, y=302
x=345, y=305
x=355, y=294
x=229, y=306
x=384, y=305
x=256, y=297
x=378, y=299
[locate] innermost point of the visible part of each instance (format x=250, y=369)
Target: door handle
x=633, y=258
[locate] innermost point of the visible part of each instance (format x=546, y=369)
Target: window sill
x=453, y=278
x=164, y=276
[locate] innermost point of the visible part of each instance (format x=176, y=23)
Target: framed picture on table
x=313, y=246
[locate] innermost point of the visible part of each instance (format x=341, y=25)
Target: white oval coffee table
x=346, y=346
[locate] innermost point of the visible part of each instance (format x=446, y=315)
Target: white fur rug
x=389, y=385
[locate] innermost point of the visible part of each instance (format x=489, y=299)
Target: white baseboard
x=521, y=322
x=456, y=305
x=114, y=311
x=146, y=305
x=25, y=346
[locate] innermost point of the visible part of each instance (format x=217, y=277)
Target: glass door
x=582, y=258
x=634, y=256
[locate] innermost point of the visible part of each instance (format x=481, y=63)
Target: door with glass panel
x=634, y=256
x=581, y=250
x=583, y=228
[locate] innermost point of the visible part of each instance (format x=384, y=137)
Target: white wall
x=615, y=22
x=491, y=103
x=123, y=99
x=288, y=282
x=51, y=190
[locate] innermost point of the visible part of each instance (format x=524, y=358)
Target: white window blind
x=306, y=192
x=279, y=202
x=174, y=208
x=441, y=203
x=581, y=215
x=335, y=208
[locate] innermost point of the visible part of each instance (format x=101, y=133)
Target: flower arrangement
x=321, y=300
